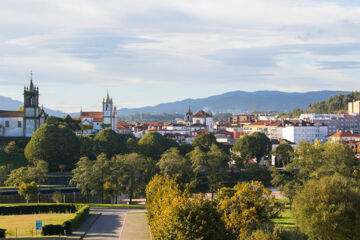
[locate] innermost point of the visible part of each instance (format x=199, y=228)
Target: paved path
x=120, y=224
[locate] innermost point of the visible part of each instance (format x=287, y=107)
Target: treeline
x=337, y=104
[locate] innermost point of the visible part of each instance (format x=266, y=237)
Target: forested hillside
x=334, y=104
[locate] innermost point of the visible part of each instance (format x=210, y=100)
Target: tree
x=36, y=173
x=132, y=145
x=82, y=176
x=55, y=145
x=175, y=165
x=57, y=197
x=246, y=208
x=11, y=148
x=28, y=190
x=185, y=148
x=110, y=190
x=285, y=152
x=134, y=171
x=313, y=162
x=329, y=208
x=153, y=144
x=87, y=147
x=210, y=164
x=256, y=145
x=3, y=174
x=173, y=215
x=109, y=142
x=204, y=141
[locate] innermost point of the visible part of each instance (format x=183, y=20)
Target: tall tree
x=134, y=171
x=173, y=164
x=329, y=208
x=109, y=142
x=56, y=145
x=204, y=141
x=153, y=144
x=285, y=151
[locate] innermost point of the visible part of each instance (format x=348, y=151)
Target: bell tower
x=31, y=108
x=188, y=117
x=108, y=110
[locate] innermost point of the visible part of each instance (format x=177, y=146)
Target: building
x=203, y=118
x=335, y=122
x=298, y=131
x=354, y=107
x=100, y=120
x=23, y=123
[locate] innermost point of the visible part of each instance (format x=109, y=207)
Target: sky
x=146, y=52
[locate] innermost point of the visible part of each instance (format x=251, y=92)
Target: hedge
x=10, y=209
x=2, y=233
x=69, y=225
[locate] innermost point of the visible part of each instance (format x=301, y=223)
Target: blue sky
x=147, y=52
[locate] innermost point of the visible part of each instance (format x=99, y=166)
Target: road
x=120, y=224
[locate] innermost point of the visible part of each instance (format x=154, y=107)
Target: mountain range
x=233, y=102
x=240, y=102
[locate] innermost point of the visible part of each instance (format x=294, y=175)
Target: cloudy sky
x=151, y=51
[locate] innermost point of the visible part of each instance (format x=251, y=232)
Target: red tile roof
x=11, y=113
x=98, y=120
x=91, y=115
x=202, y=114
x=345, y=134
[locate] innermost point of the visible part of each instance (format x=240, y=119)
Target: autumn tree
x=28, y=190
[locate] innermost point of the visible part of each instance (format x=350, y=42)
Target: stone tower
x=108, y=112
x=31, y=109
x=188, y=117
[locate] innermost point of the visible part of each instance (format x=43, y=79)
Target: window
x=19, y=124
x=7, y=124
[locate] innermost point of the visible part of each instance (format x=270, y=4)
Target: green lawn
x=24, y=225
x=286, y=220
x=121, y=206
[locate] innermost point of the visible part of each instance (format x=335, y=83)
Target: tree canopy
x=109, y=142
x=153, y=145
x=56, y=145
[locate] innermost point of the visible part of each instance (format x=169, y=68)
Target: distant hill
x=240, y=102
x=11, y=104
x=334, y=104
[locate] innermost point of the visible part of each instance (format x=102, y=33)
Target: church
x=99, y=120
x=23, y=123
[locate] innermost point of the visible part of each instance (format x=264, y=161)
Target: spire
x=31, y=85
x=107, y=95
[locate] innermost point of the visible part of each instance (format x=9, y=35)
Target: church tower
x=31, y=109
x=188, y=117
x=108, y=112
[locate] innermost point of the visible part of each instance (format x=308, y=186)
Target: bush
x=76, y=220
x=37, y=208
x=2, y=233
x=52, y=229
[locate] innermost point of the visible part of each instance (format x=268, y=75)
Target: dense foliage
x=329, y=208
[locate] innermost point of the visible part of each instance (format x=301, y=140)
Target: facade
x=99, y=120
x=354, y=107
x=298, y=131
x=203, y=118
x=23, y=123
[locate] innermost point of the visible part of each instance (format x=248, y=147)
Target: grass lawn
x=286, y=220
x=121, y=206
x=25, y=224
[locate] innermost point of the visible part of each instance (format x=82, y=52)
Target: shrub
x=36, y=208
x=76, y=220
x=57, y=197
x=2, y=233
x=52, y=229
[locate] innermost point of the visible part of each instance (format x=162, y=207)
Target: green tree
x=57, y=197
x=153, y=145
x=134, y=171
x=132, y=145
x=246, y=208
x=3, y=174
x=109, y=142
x=285, y=152
x=82, y=176
x=36, y=173
x=313, y=162
x=185, y=148
x=87, y=147
x=209, y=166
x=11, y=148
x=56, y=145
x=175, y=165
x=28, y=190
x=204, y=141
x=329, y=208
x=256, y=145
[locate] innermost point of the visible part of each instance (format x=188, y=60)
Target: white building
x=100, y=120
x=23, y=123
x=298, y=131
x=204, y=118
